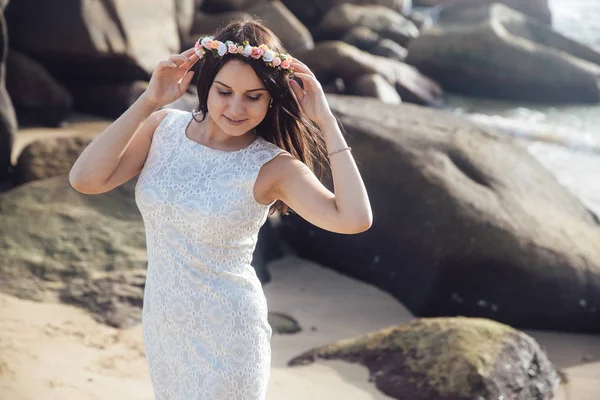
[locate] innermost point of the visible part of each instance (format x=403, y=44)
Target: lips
x=234, y=121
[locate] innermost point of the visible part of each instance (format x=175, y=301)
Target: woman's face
x=237, y=100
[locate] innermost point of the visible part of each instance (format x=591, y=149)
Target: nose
x=236, y=109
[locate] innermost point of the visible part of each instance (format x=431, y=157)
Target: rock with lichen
x=448, y=359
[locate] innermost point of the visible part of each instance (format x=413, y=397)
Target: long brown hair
x=285, y=124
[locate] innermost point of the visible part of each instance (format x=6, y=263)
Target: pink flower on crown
x=285, y=64
x=276, y=61
x=256, y=53
x=214, y=44
x=232, y=49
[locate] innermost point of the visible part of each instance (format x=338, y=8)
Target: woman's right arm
x=120, y=151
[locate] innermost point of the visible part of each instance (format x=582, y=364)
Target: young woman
x=207, y=182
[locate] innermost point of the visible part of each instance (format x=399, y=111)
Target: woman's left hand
x=312, y=98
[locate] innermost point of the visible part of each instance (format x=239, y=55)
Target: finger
x=300, y=66
x=188, y=53
x=185, y=81
x=297, y=90
x=178, y=59
x=166, y=64
x=193, y=59
x=307, y=80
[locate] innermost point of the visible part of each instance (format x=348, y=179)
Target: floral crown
x=219, y=49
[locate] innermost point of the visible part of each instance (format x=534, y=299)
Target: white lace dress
x=204, y=316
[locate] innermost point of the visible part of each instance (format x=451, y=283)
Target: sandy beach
x=55, y=351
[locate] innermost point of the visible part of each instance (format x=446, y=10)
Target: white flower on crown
x=269, y=56
x=247, y=50
x=206, y=39
x=222, y=49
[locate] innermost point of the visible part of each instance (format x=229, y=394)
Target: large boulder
x=335, y=59
x=494, y=51
x=374, y=85
x=312, y=11
x=101, y=41
x=538, y=9
x=466, y=222
x=8, y=118
x=293, y=34
x=109, y=99
x=207, y=24
x=113, y=298
x=185, y=14
x=448, y=359
x=218, y=6
x=51, y=234
x=369, y=41
x=48, y=158
x=37, y=97
x=381, y=20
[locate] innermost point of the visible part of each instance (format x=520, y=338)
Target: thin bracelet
x=337, y=151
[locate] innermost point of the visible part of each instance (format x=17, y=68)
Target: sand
x=56, y=351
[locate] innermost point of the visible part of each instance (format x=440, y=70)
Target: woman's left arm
x=348, y=210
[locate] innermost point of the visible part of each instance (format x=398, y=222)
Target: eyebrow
x=252, y=90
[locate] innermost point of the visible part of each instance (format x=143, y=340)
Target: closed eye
x=253, y=98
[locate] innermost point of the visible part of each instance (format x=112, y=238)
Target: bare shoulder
x=154, y=120
x=271, y=174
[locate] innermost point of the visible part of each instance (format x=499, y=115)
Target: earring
x=271, y=103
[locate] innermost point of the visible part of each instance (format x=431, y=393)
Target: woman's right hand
x=171, y=78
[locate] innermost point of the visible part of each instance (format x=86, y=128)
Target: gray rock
x=465, y=222
x=37, y=97
x=48, y=158
x=206, y=24
x=185, y=15
x=369, y=41
x=311, y=12
x=99, y=41
x=385, y=22
x=373, y=85
x=113, y=298
x=338, y=59
x=50, y=234
x=217, y=6
x=499, y=52
x=293, y=34
x=538, y=9
x=448, y=359
x=420, y=19
x=107, y=99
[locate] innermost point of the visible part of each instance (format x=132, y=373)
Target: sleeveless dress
x=204, y=316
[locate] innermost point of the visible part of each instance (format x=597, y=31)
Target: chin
x=237, y=129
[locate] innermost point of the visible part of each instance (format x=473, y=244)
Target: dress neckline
x=186, y=138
